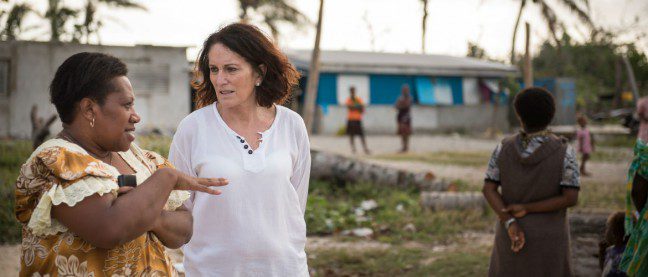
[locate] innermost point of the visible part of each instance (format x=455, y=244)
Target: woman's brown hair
x=251, y=44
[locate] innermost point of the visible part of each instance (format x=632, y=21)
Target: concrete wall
x=381, y=119
x=158, y=75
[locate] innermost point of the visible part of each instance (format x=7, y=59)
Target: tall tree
x=13, y=24
x=424, y=25
x=313, y=75
x=579, y=7
x=92, y=23
x=58, y=15
x=273, y=13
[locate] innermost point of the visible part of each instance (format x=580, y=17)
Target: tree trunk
x=313, y=75
x=517, y=23
x=631, y=79
x=528, y=69
x=40, y=127
x=424, y=25
x=341, y=170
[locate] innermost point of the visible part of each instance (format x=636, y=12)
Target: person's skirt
x=354, y=127
x=404, y=128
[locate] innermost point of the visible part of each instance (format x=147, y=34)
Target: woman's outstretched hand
x=186, y=182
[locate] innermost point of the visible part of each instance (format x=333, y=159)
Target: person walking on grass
x=404, y=117
x=354, y=128
x=538, y=177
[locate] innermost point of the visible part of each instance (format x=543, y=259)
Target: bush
x=12, y=155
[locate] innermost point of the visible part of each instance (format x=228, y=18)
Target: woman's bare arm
x=107, y=221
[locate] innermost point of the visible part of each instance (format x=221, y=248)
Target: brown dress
x=524, y=180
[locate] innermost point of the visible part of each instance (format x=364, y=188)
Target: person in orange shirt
x=354, y=120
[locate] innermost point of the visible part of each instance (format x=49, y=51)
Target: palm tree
x=424, y=25
x=579, y=7
x=58, y=15
x=13, y=25
x=273, y=12
x=313, y=75
x=91, y=23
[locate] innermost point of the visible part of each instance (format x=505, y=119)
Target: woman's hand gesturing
x=186, y=182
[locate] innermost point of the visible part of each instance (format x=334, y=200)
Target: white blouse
x=256, y=226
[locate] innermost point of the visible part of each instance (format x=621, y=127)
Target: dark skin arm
x=107, y=221
x=639, y=192
x=494, y=199
x=568, y=198
x=174, y=228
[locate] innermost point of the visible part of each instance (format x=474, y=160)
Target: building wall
x=381, y=119
x=158, y=75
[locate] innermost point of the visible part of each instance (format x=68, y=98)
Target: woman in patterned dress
x=76, y=220
x=635, y=257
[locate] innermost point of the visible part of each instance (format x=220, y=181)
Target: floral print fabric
x=61, y=172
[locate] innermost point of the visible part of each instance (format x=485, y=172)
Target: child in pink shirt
x=585, y=143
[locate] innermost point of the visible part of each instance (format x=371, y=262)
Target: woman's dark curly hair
x=251, y=44
x=535, y=106
x=84, y=75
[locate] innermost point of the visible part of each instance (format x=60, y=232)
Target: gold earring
x=92, y=123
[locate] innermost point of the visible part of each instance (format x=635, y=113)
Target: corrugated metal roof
x=396, y=63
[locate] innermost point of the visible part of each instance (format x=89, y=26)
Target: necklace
x=70, y=138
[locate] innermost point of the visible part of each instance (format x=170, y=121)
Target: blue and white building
x=450, y=93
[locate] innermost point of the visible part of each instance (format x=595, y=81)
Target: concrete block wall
x=33, y=65
x=381, y=119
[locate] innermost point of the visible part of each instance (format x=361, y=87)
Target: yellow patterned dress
x=60, y=172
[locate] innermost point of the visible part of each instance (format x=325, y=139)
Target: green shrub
x=12, y=155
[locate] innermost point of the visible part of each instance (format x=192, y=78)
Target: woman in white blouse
x=240, y=132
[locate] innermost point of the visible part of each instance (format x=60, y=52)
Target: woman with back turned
x=538, y=176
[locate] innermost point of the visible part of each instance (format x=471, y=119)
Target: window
x=4, y=77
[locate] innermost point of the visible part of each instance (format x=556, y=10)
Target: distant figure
x=404, y=117
x=636, y=225
x=354, y=120
x=613, y=245
x=585, y=142
x=539, y=179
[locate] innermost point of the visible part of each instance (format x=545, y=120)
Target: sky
x=361, y=25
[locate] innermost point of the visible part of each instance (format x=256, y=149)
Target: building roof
x=402, y=64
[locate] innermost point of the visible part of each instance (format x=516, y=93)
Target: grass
x=596, y=196
x=624, y=141
x=399, y=261
x=12, y=155
x=331, y=210
x=472, y=159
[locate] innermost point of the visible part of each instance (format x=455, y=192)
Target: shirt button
x=245, y=147
x=249, y=151
x=242, y=141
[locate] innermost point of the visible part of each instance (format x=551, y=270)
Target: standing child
x=612, y=247
x=585, y=143
x=539, y=179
